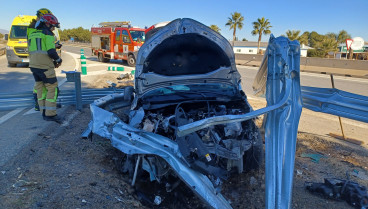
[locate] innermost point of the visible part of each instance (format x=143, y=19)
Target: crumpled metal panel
x=284, y=106
x=134, y=141
x=281, y=125
x=336, y=102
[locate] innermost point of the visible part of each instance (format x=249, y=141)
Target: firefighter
x=32, y=28
x=43, y=59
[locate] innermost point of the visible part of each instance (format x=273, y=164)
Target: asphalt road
x=18, y=127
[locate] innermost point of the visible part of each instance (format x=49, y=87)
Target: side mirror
x=6, y=36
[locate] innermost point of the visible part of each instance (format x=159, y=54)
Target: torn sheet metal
x=281, y=125
x=336, y=102
x=284, y=102
x=134, y=141
x=225, y=119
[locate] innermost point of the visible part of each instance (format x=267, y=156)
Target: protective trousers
x=47, y=90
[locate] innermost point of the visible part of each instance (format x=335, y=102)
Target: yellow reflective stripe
x=50, y=42
x=55, y=96
x=44, y=93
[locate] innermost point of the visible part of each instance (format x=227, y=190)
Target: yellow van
x=17, y=48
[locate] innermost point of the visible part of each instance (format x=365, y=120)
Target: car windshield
x=18, y=31
x=137, y=36
x=205, y=90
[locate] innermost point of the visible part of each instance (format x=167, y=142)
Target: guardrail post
x=282, y=124
x=74, y=76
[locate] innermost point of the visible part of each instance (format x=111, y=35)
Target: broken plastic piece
x=339, y=189
x=315, y=157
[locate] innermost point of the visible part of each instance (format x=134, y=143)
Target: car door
x=126, y=42
x=118, y=44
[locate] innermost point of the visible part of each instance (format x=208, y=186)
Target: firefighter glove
x=58, y=62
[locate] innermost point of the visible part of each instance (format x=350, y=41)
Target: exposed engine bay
x=217, y=151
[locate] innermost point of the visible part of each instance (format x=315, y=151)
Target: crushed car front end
x=185, y=73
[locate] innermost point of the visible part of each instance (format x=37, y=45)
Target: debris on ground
x=314, y=156
x=339, y=189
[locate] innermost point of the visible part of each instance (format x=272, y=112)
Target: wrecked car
x=184, y=74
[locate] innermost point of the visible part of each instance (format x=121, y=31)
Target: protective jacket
x=41, y=47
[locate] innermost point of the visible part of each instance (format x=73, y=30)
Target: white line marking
x=31, y=111
x=75, y=59
x=69, y=118
x=11, y=114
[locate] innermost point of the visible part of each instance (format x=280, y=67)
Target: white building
x=250, y=47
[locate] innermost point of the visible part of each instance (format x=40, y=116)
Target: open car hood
x=185, y=52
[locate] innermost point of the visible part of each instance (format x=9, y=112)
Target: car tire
x=12, y=64
x=100, y=57
x=131, y=61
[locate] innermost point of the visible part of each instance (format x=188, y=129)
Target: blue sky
x=322, y=16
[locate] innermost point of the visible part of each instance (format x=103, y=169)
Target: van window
x=126, y=38
x=18, y=31
x=137, y=36
x=117, y=37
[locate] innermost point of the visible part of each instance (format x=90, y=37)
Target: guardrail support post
x=282, y=124
x=74, y=76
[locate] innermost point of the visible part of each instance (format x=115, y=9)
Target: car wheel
x=12, y=64
x=100, y=57
x=131, y=61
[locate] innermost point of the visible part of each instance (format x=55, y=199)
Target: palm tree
x=328, y=45
x=215, y=28
x=262, y=26
x=293, y=34
x=235, y=21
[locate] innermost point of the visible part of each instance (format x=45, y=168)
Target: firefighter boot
x=54, y=118
x=36, y=107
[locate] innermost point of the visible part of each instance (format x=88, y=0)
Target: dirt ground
x=59, y=169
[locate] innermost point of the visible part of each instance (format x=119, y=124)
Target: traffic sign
x=348, y=43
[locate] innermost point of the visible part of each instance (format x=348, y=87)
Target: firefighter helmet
x=42, y=12
x=50, y=19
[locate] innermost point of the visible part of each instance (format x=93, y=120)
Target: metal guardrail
x=10, y=101
x=336, y=102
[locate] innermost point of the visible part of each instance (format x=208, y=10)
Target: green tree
x=303, y=39
x=79, y=34
x=328, y=45
x=215, y=28
x=342, y=36
x=1, y=36
x=324, y=46
x=315, y=40
x=293, y=34
x=244, y=39
x=262, y=26
x=235, y=21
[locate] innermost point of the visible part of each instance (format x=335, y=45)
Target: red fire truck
x=117, y=40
